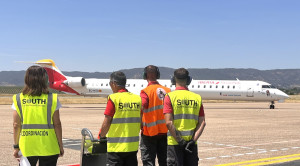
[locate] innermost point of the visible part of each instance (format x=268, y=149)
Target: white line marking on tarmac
x=262, y=152
x=285, y=149
x=225, y=156
x=250, y=153
x=210, y=158
x=72, y=144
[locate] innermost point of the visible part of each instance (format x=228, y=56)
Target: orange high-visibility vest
x=153, y=118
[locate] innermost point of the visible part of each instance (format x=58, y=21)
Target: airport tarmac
x=236, y=133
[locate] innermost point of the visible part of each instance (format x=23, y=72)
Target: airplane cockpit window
x=268, y=86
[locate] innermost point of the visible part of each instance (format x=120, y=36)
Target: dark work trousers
x=122, y=159
x=151, y=147
x=43, y=160
x=178, y=156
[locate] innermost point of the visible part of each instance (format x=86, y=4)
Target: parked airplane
x=208, y=89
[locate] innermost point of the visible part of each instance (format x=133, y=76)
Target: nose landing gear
x=272, y=106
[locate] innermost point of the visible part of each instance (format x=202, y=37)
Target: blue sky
x=107, y=36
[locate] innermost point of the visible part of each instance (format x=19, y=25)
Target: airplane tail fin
x=54, y=74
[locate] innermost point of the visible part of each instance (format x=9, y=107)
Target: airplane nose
x=283, y=95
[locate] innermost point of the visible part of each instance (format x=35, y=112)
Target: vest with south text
x=153, y=118
x=37, y=137
x=186, y=106
x=123, y=134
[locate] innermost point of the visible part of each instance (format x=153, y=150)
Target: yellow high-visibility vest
x=186, y=106
x=123, y=134
x=37, y=137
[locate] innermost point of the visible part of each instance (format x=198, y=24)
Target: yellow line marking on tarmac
x=265, y=161
x=273, y=162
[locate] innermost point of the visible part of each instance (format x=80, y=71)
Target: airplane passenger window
x=127, y=85
x=216, y=86
x=228, y=86
x=142, y=85
x=210, y=86
x=222, y=86
x=102, y=84
x=198, y=86
x=106, y=84
x=233, y=87
x=133, y=85
x=192, y=86
x=204, y=86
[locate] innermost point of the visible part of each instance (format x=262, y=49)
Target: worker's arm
x=105, y=126
x=199, y=128
x=58, y=131
x=171, y=127
x=17, y=130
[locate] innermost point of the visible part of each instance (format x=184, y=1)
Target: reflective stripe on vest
x=153, y=108
x=153, y=117
x=37, y=137
x=123, y=134
x=122, y=139
x=126, y=120
x=186, y=106
x=184, y=133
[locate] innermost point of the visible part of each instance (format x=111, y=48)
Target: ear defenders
x=145, y=73
x=189, y=80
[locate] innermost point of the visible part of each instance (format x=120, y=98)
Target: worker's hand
x=182, y=142
x=99, y=134
x=15, y=154
x=62, y=152
x=189, y=146
x=103, y=139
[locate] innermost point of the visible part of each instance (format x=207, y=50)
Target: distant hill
x=281, y=78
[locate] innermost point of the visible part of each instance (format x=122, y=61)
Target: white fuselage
x=208, y=89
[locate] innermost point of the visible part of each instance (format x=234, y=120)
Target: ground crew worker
x=122, y=123
x=154, y=129
x=185, y=120
x=36, y=121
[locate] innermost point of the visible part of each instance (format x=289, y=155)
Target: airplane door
x=250, y=92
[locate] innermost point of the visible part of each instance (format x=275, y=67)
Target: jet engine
x=75, y=82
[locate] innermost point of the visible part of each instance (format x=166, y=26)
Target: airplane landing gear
x=272, y=106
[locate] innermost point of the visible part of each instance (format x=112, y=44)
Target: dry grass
x=293, y=99
x=69, y=99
